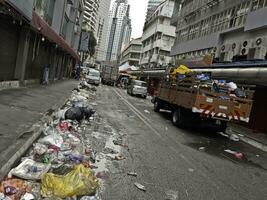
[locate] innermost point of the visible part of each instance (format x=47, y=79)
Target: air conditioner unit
x=226, y=56
x=236, y=48
x=260, y=41
x=245, y=46
x=257, y=53
x=226, y=53
x=225, y=48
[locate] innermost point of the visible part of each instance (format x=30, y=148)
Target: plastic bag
x=80, y=181
x=39, y=149
x=54, y=139
x=30, y=169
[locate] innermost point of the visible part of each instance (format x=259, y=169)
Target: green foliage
x=92, y=43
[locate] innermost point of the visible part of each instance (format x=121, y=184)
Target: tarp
x=38, y=23
x=126, y=67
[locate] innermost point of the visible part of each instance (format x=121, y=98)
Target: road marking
x=138, y=113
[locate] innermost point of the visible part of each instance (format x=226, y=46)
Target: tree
x=91, y=44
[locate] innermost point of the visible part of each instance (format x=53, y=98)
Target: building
x=225, y=29
x=119, y=29
x=102, y=29
x=151, y=7
x=34, y=34
x=131, y=53
x=158, y=37
x=91, y=11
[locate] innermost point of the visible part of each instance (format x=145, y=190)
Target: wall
x=24, y=7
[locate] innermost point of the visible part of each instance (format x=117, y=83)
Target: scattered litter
x=31, y=170
x=119, y=157
x=241, y=135
x=13, y=188
x=191, y=170
x=27, y=196
x=238, y=155
x=146, y=111
x=230, y=151
x=102, y=175
x=201, y=148
x=132, y=174
x=140, y=187
x=166, y=128
x=80, y=181
x=223, y=134
x=234, y=137
x=257, y=155
x=90, y=198
x=171, y=195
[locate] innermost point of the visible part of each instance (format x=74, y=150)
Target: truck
x=202, y=103
x=109, y=74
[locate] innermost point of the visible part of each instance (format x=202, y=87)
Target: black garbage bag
x=75, y=113
x=87, y=112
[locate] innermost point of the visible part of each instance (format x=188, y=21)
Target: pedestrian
x=45, y=79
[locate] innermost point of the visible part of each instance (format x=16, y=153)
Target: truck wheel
x=177, y=117
x=157, y=105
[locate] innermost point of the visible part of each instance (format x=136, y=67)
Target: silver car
x=137, y=88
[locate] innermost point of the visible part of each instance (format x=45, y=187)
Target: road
x=170, y=162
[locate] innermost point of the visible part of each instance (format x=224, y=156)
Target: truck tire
x=178, y=118
x=157, y=105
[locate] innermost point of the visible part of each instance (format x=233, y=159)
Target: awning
x=42, y=27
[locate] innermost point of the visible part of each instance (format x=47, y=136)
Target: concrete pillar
x=22, y=53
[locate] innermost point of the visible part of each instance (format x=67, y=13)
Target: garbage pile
x=185, y=78
x=60, y=165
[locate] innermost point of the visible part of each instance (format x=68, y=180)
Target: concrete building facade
x=119, y=29
x=102, y=29
x=158, y=37
x=224, y=29
x=151, y=7
x=131, y=53
x=33, y=37
x=91, y=11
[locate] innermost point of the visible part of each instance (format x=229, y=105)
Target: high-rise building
x=158, y=37
x=102, y=29
x=91, y=9
x=119, y=30
x=152, y=6
x=225, y=30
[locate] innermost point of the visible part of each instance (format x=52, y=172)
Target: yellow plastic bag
x=181, y=70
x=80, y=181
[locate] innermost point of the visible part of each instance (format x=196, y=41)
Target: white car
x=93, y=77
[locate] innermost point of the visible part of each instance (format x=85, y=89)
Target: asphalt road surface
x=174, y=163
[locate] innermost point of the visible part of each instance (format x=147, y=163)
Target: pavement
x=21, y=108
x=181, y=163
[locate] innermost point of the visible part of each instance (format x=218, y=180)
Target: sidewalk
x=23, y=107
x=258, y=140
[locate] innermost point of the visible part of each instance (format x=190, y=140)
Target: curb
x=37, y=131
x=246, y=139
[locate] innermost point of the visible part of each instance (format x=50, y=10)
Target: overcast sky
x=137, y=14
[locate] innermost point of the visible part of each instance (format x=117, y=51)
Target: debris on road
x=140, y=187
x=146, y=111
x=234, y=137
x=238, y=155
x=119, y=157
x=171, y=195
x=201, y=148
x=191, y=170
x=132, y=174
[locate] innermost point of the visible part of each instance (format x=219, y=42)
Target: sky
x=137, y=15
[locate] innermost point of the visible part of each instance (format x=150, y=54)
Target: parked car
x=137, y=87
x=93, y=77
